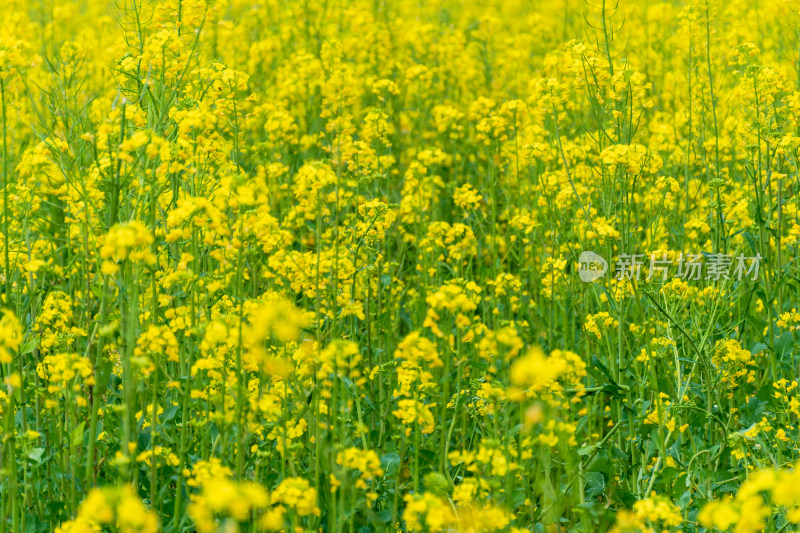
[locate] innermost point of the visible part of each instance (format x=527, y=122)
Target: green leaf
x=169, y=413
x=586, y=450
x=784, y=344
x=390, y=462
x=28, y=346
x=76, y=437
x=750, y=240
x=36, y=454
x=595, y=484
x=596, y=363
x=757, y=347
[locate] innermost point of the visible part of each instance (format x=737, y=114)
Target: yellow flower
x=10, y=336
x=295, y=493
x=113, y=507
x=427, y=512
x=126, y=241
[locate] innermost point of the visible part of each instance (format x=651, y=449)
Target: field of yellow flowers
x=399, y=266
